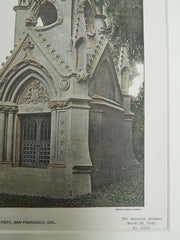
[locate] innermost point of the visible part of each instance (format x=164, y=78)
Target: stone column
x=2, y=122
x=9, y=136
x=69, y=143
x=16, y=141
x=53, y=137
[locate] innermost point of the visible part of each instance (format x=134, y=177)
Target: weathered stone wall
x=110, y=146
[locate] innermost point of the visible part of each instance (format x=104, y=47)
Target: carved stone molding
x=35, y=94
x=58, y=22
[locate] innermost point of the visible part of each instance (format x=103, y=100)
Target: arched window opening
x=47, y=14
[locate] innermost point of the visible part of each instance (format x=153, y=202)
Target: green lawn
x=127, y=192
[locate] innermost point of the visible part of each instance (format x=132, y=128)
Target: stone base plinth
x=52, y=182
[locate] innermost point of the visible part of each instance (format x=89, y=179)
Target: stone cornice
x=127, y=95
x=100, y=104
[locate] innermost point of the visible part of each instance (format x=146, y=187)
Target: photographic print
x=68, y=130
x=72, y=116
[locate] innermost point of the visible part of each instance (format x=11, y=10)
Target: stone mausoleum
x=65, y=118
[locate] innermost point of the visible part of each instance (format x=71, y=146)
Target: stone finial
x=24, y=3
x=28, y=44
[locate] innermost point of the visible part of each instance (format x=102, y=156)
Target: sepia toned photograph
x=72, y=105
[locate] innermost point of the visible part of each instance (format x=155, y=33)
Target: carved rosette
x=64, y=85
x=35, y=94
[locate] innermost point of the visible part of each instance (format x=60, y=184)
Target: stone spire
x=123, y=58
x=124, y=69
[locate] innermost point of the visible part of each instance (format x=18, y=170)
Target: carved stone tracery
x=35, y=94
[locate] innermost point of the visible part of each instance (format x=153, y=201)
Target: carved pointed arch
x=20, y=79
x=80, y=54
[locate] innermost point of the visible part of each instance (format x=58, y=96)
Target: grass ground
x=127, y=192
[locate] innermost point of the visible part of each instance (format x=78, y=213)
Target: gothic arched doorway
x=35, y=140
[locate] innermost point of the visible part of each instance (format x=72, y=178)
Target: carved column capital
x=58, y=104
x=82, y=76
x=8, y=108
x=70, y=102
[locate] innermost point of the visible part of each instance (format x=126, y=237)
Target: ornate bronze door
x=35, y=140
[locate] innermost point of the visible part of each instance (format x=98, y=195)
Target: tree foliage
x=125, y=24
x=138, y=126
x=125, y=21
